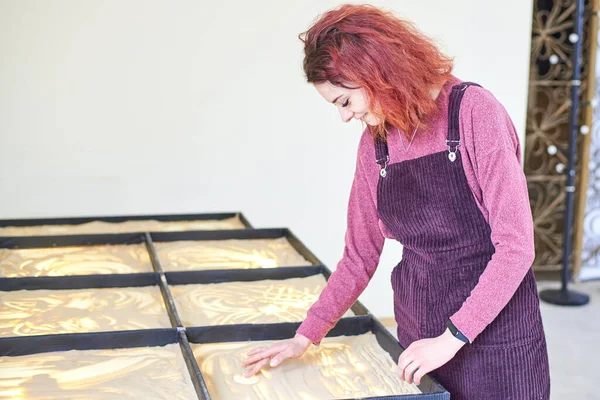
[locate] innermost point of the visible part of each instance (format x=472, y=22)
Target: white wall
x=147, y=106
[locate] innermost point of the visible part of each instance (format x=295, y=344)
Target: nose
x=345, y=114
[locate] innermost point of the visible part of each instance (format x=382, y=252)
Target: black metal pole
x=564, y=296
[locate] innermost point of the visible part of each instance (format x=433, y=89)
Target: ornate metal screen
x=590, y=242
x=547, y=131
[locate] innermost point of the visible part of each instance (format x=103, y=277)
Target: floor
x=573, y=336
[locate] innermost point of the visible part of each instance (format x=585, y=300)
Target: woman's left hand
x=425, y=355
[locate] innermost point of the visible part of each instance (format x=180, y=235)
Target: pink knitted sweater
x=492, y=164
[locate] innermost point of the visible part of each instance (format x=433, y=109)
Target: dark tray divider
x=351, y=326
x=224, y=234
x=79, y=281
x=249, y=275
x=164, y=287
x=23, y=345
x=169, y=303
x=30, y=242
x=192, y=365
x=152, y=252
x=241, y=275
x=123, y=218
x=285, y=330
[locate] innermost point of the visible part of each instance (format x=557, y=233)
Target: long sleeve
x=505, y=198
x=363, y=246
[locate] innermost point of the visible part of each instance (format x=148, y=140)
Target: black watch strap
x=455, y=332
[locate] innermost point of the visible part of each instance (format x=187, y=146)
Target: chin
x=371, y=121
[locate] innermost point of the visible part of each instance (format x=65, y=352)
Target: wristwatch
x=455, y=332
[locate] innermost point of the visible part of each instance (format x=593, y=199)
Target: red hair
x=397, y=66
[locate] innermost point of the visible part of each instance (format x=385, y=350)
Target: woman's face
x=351, y=103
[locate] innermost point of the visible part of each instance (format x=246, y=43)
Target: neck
x=435, y=92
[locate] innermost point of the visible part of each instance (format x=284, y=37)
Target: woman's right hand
x=275, y=354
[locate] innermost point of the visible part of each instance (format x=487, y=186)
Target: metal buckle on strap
x=383, y=162
x=452, y=149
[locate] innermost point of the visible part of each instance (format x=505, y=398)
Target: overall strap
x=382, y=156
x=381, y=152
x=453, y=139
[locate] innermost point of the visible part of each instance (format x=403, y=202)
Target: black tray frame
x=14, y=346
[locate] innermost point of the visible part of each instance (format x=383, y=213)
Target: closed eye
x=345, y=104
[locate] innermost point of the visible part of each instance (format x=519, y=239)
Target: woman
x=439, y=170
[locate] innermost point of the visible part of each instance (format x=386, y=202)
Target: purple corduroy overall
x=427, y=205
